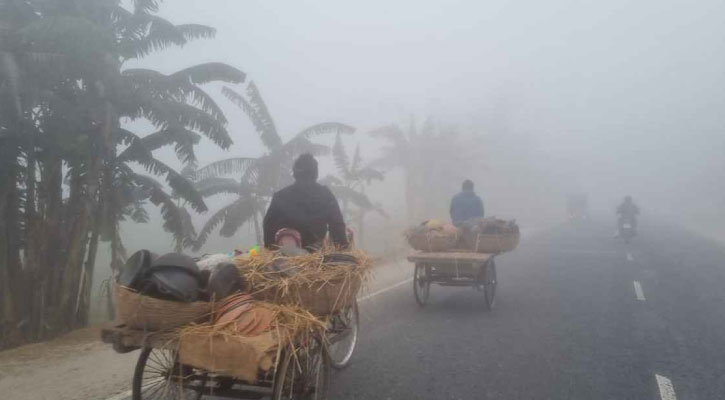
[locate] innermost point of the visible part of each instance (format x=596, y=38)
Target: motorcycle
x=627, y=229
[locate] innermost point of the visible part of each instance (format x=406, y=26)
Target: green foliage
x=71, y=171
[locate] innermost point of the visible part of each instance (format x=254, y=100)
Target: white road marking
x=667, y=391
x=630, y=257
x=391, y=287
x=121, y=396
x=638, y=291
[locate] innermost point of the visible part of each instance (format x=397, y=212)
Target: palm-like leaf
x=183, y=140
x=369, y=174
x=339, y=156
x=167, y=113
x=237, y=212
x=137, y=152
x=345, y=193
x=323, y=129
x=262, y=124
x=213, y=186
x=209, y=72
x=238, y=165
x=175, y=220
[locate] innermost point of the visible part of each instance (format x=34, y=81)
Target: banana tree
x=258, y=178
x=72, y=170
x=349, y=186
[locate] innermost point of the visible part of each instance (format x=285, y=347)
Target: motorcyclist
x=306, y=207
x=627, y=212
x=466, y=205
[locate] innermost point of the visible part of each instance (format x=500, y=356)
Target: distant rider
x=466, y=205
x=627, y=212
x=306, y=207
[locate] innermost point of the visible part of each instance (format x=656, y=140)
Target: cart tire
x=489, y=282
x=303, y=374
x=154, y=377
x=340, y=352
x=421, y=284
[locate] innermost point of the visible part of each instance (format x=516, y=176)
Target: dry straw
x=308, y=280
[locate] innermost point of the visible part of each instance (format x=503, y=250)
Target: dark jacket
x=309, y=208
x=628, y=210
x=465, y=206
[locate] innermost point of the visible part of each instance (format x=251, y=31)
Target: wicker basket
x=431, y=240
x=491, y=242
x=320, y=299
x=143, y=312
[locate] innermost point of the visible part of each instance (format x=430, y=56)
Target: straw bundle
x=306, y=280
x=432, y=237
x=147, y=313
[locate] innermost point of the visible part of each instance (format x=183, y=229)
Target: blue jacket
x=464, y=206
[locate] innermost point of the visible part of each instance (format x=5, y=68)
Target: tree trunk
x=257, y=230
x=84, y=298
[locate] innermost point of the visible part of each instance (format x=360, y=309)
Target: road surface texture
x=578, y=315
x=568, y=323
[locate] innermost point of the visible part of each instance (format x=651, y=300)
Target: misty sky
x=619, y=96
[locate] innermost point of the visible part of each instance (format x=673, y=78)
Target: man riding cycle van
x=305, y=207
x=466, y=205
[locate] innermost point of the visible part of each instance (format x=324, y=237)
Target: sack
x=319, y=298
x=150, y=314
x=432, y=236
x=237, y=356
x=491, y=235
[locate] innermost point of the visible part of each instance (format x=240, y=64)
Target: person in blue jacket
x=466, y=205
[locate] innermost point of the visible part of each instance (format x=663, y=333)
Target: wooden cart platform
x=454, y=268
x=450, y=257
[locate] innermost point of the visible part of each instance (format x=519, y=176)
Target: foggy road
x=578, y=315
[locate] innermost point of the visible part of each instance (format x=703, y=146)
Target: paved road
x=569, y=323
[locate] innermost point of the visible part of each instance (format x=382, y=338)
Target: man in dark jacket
x=307, y=207
x=466, y=205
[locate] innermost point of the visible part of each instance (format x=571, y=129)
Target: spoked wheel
x=487, y=283
x=303, y=374
x=342, y=337
x=421, y=284
x=159, y=376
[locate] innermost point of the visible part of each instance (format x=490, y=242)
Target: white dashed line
x=630, y=257
x=667, y=391
x=391, y=287
x=638, y=291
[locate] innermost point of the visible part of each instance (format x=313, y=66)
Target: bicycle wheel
x=303, y=374
x=488, y=282
x=342, y=337
x=421, y=284
x=158, y=376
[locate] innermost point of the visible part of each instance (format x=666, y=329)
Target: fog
x=605, y=98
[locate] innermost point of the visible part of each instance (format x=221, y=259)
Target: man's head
x=305, y=168
x=628, y=199
x=467, y=185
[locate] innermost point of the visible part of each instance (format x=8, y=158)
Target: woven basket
x=432, y=241
x=320, y=299
x=151, y=314
x=491, y=242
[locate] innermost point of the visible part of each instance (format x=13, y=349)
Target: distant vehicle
x=577, y=208
x=627, y=230
x=627, y=213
